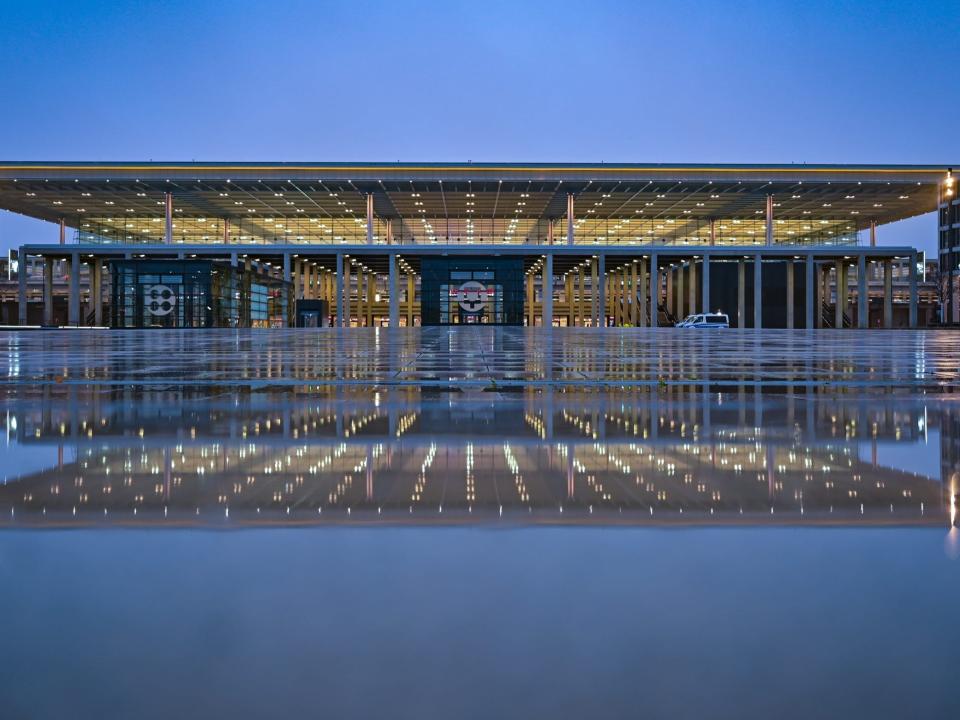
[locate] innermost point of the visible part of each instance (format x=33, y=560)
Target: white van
x=705, y=320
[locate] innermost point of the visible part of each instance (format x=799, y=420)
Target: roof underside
x=267, y=202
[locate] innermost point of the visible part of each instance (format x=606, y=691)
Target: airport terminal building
x=144, y=245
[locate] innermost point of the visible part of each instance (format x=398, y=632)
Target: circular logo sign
x=159, y=299
x=472, y=296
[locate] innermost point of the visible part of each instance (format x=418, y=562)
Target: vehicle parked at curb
x=705, y=320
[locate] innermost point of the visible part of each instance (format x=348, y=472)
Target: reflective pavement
x=479, y=523
x=481, y=356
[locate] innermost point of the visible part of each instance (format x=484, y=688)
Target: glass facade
x=195, y=294
x=466, y=291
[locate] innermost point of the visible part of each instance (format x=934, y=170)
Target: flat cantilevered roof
x=451, y=201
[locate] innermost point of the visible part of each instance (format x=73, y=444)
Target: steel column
x=790, y=294
x=654, y=289
x=811, y=293
x=769, y=219
x=547, y=284
x=340, y=285
x=168, y=218
x=569, y=218
x=863, y=295
x=913, y=290
x=369, y=218
x=888, y=293
x=757, y=292
x=48, y=291
x=394, y=290
x=705, y=284
x=74, y=300
x=602, y=299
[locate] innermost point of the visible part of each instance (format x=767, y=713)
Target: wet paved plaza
x=480, y=522
x=482, y=356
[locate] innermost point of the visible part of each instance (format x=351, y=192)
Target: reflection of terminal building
x=585, y=245
x=407, y=458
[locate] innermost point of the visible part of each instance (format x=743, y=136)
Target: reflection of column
x=547, y=284
x=888, y=293
x=654, y=289
x=570, y=475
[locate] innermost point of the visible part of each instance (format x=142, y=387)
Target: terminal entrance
x=472, y=291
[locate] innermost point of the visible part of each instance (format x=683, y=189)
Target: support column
x=741, y=293
x=530, y=299
x=369, y=218
x=654, y=289
x=582, y=296
x=569, y=218
x=226, y=231
x=757, y=292
x=411, y=292
x=48, y=291
x=873, y=233
x=547, y=283
x=692, y=287
x=888, y=293
x=668, y=301
x=863, y=296
x=841, y=284
x=913, y=290
x=678, y=285
x=340, y=284
x=602, y=299
x=594, y=292
x=790, y=294
x=811, y=292
x=769, y=219
x=21, y=287
x=568, y=294
x=641, y=294
x=634, y=300
x=371, y=297
x=549, y=232
x=96, y=291
x=705, y=283
x=63, y=232
x=389, y=231
x=168, y=218
x=74, y=300
x=713, y=234
x=394, y=290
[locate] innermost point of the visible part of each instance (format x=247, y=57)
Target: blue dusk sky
x=746, y=82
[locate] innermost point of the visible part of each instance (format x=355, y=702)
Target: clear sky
x=748, y=81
